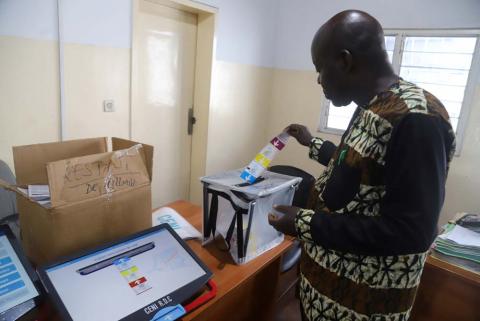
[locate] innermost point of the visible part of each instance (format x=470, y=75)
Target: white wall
x=463, y=184
x=241, y=82
x=299, y=20
x=29, y=84
x=96, y=38
x=29, y=18
x=97, y=22
x=246, y=31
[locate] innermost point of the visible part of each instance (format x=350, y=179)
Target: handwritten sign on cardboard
x=91, y=176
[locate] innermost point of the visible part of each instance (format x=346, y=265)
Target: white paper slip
x=462, y=236
x=43, y=200
x=38, y=192
x=181, y=226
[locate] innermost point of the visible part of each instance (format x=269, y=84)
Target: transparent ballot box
x=235, y=213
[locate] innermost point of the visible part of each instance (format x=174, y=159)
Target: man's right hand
x=301, y=134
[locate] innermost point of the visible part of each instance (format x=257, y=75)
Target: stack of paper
x=459, y=242
x=38, y=193
x=183, y=228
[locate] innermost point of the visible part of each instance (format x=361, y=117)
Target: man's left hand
x=284, y=223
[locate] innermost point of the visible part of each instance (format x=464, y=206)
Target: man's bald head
x=356, y=31
x=344, y=49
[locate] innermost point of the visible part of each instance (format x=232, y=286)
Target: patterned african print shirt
x=375, y=210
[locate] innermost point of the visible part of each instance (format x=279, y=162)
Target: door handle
x=191, y=121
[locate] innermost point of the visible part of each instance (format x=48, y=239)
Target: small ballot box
x=235, y=213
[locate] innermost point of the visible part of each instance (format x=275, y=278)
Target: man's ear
x=345, y=60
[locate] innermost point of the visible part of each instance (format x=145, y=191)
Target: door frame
x=206, y=17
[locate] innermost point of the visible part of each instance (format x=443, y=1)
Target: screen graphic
x=16, y=286
x=115, y=282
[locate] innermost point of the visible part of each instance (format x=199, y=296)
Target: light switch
x=109, y=106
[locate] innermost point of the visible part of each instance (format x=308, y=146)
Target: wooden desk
x=447, y=293
x=245, y=292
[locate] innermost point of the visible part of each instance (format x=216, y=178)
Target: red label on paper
x=277, y=143
x=137, y=282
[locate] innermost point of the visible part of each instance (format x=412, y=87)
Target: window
x=437, y=61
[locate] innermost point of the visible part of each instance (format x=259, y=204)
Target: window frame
x=400, y=36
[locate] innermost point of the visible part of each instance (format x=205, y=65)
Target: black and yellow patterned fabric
x=375, y=208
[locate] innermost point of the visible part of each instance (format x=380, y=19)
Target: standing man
x=375, y=207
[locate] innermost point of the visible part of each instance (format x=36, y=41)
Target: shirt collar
x=384, y=94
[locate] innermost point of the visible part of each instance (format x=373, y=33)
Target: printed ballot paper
x=168, y=215
x=262, y=160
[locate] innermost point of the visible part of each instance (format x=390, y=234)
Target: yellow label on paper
x=262, y=160
x=131, y=270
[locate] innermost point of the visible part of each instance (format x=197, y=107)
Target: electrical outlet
x=109, y=106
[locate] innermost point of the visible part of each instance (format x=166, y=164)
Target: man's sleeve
x=321, y=150
x=416, y=163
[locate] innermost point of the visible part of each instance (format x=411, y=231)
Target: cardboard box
x=96, y=196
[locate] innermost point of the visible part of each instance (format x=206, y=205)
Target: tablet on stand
x=19, y=284
x=146, y=276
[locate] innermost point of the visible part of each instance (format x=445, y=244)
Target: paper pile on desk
x=181, y=226
x=459, y=242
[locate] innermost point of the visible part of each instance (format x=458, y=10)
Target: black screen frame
x=176, y=297
x=17, y=248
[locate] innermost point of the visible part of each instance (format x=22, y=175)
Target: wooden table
x=447, y=293
x=245, y=292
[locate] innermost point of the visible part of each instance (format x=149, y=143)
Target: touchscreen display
x=115, y=282
x=16, y=287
